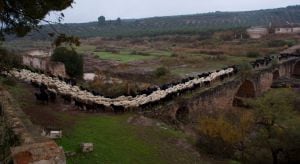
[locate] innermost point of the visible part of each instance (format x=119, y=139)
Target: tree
x=19, y=17
x=223, y=135
x=245, y=70
x=101, y=20
x=9, y=60
x=72, y=60
x=118, y=21
x=278, y=126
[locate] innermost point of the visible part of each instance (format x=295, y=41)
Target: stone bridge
x=225, y=95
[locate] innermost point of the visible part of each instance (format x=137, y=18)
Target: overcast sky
x=90, y=10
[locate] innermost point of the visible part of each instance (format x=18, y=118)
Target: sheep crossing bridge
x=213, y=90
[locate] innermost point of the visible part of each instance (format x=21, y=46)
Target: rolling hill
x=183, y=24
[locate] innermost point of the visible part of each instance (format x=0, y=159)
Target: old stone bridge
x=225, y=95
x=221, y=95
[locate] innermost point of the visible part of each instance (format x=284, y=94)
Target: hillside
x=184, y=24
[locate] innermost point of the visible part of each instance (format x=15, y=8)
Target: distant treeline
x=185, y=24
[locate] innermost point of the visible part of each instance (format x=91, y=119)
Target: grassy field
x=201, y=63
x=116, y=141
x=122, y=57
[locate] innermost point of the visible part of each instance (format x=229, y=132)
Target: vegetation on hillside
x=185, y=24
x=267, y=132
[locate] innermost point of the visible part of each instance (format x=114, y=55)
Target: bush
x=215, y=57
x=245, y=70
x=253, y=54
x=72, y=60
x=290, y=43
x=9, y=60
x=161, y=71
x=9, y=82
x=281, y=43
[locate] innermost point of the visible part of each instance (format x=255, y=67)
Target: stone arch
x=182, y=114
x=246, y=90
x=296, y=70
x=276, y=75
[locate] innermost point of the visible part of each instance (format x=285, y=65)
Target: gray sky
x=89, y=10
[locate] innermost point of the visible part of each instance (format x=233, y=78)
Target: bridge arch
x=246, y=90
x=276, y=75
x=296, y=69
x=182, y=114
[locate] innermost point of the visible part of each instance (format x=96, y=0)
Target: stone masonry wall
x=31, y=147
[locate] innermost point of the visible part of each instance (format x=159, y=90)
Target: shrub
x=290, y=43
x=112, y=50
x=161, y=71
x=245, y=70
x=9, y=82
x=215, y=57
x=174, y=54
x=253, y=54
x=72, y=60
x=9, y=60
x=281, y=43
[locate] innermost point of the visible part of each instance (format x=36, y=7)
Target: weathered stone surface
x=38, y=153
x=57, y=68
x=30, y=147
x=52, y=133
x=87, y=147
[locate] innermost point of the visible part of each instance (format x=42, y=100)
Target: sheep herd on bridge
x=50, y=87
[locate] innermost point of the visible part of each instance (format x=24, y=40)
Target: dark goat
x=35, y=84
x=52, y=95
x=43, y=97
x=67, y=98
x=79, y=104
x=118, y=108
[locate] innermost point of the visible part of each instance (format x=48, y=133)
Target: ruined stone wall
x=28, y=145
x=264, y=82
x=35, y=62
x=57, y=69
x=296, y=70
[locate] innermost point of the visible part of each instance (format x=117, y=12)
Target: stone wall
x=287, y=30
x=44, y=63
x=36, y=62
x=257, y=32
x=28, y=146
x=296, y=70
x=57, y=69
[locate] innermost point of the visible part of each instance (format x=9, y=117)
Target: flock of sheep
x=88, y=100
x=62, y=88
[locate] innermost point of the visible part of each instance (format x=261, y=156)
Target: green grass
x=206, y=64
x=122, y=57
x=116, y=141
x=85, y=48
